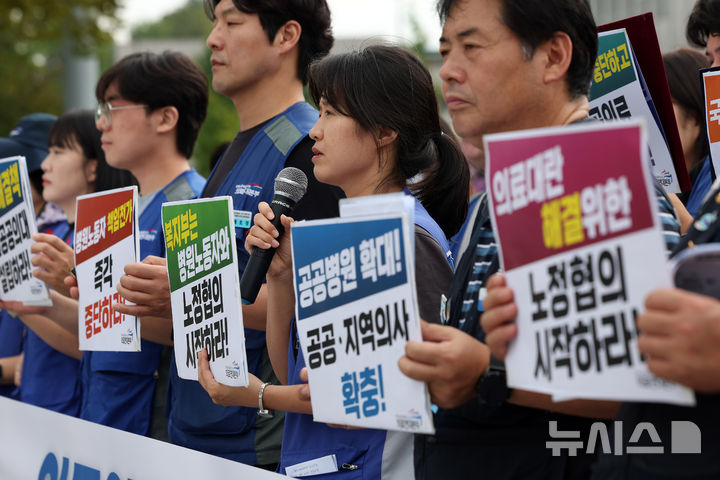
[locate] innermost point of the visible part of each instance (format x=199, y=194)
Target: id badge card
x=242, y=219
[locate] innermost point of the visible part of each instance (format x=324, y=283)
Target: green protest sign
x=614, y=65
x=197, y=239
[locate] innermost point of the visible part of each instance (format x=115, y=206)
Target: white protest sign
x=618, y=92
x=205, y=288
x=579, y=239
x=386, y=203
x=105, y=241
x=356, y=307
x=17, y=226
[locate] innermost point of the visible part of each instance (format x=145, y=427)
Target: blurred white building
x=192, y=47
x=670, y=17
x=357, y=24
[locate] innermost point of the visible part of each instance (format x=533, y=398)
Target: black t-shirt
x=228, y=159
x=321, y=199
x=680, y=430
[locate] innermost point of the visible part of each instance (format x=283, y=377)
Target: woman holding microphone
x=378, y=128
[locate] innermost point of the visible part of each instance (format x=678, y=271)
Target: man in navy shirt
x=260, y=54
x=150, y=109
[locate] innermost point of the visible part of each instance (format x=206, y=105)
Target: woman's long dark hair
x=77, y=128
x=682, y=67
x=388, y=86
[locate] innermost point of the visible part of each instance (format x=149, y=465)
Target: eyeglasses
x=104, y=110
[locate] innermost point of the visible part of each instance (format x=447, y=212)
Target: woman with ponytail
x=378, y=129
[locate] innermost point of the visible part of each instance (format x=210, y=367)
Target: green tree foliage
x=34, y=36
x=188, y=21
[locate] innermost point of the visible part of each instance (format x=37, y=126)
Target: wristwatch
x=262, y=411
x=492, y=386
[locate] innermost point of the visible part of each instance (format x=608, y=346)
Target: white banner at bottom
x=39, y=443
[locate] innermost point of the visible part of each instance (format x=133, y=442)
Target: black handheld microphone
x=290, y=186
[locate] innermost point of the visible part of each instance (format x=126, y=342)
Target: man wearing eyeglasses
x=261, y=50
x=150, y=111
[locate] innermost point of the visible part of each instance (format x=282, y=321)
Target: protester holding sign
x=73, y=167
x=371, y=138
x=29, y=139
x=580, y=249
x=679, y=334
x=260, y=53
x=167, y=93
x=507, y=66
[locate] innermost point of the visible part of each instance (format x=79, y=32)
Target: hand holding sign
x=71, y=283
x=449, y=360
x=679, y=334
x=203, y=282
x=55, y=259
x=223, y=394
x=146, y=285
x=305, y=388
x=498, y=319
x=19, y=308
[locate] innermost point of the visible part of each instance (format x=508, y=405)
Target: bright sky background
x=351, y=18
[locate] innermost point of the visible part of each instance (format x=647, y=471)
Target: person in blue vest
x=507, y=66
x=151, y=107
x=260, y=53
x=28, y=138
x=150, y=110
x=75, y=166
x=371, y=138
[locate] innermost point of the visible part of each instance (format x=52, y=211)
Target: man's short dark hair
x=535, y=21
x=313, y=16
x=162, y=80
x=704, y=21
